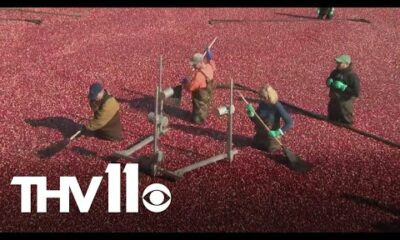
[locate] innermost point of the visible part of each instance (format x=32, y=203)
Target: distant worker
x=344, y=87
x=201, y=85
x=270, y=111
x=326, y=13
x=106, y=123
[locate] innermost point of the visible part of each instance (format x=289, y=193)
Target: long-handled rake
x=295, y=162
x=56, y=147
x=209, y=46
x=322, y=117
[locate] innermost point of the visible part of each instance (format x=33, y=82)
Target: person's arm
x=251, y=112
x=255, y=119
x=213, y=65
x=93, y=106
x=353, y=88
x=209, y=59
x=285, y=116
x=104, y=115
x=330, y=80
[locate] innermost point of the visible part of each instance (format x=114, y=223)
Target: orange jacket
x=198, y=79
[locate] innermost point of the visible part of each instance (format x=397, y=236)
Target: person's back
x=112, y=130
x=201, y=86
x=106, y=122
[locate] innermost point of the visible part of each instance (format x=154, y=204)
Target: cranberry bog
x=46, y=70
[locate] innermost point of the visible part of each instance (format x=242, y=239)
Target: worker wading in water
x=270, y=111
x=106, y=123
x=201, y=85
x=344, y=88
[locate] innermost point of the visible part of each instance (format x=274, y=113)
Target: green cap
x=344, y=59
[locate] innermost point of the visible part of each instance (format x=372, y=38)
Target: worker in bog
x=271, y=111
x=344, y=88
x=106, y=123
x=201, y=85
x=326, y=13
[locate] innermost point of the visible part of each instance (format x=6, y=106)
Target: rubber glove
x=275, y=133
x=209, y=54
x=331, y=11
x=250, y=110
x=329, y=82
x=339, y=85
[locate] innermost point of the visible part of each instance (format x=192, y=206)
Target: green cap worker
x=326, y=13
x=106, y=123
x=344, y=86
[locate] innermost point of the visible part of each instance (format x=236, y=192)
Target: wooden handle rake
x=295, y=162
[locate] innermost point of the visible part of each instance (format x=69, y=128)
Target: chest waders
x=261, y=139
x=201, y=101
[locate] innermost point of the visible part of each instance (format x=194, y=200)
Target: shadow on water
x=393, y=226
x=145, y=103
x=65, y=126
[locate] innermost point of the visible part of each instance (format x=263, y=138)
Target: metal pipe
x=156, y=134
x=203, y=163
x=230, y=125
x=160, y=101
x=136, y=147
x=160, y=89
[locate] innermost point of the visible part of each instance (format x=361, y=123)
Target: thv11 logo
x=156, y=197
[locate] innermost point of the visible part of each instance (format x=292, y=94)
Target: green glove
x=339, y=85
x=250, y=110
x=275, y=133
x=331, y=11
x=329, y=82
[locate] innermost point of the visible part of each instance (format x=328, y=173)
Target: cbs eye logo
x=156, y=198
